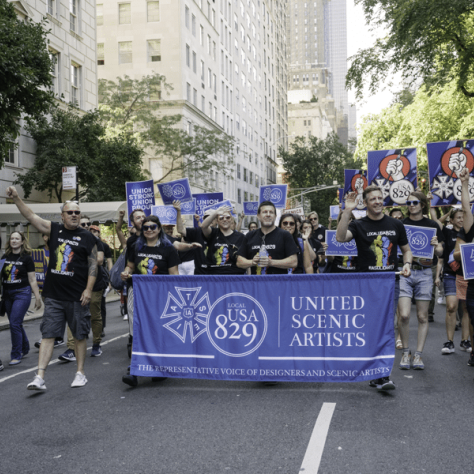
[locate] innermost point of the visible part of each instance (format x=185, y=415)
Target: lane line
x=55, y=361
x=314, y=451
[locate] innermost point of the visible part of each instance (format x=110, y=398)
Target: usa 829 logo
x=237, y=324
x=418, y=240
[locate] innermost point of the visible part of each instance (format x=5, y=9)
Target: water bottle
x=262, y=253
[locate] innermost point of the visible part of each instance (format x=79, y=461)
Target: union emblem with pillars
x=187, y=311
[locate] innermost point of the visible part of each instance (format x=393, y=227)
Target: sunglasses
x=413, y=203
x=224, y=218
x=70, y=213
x=149, y=227
x=313, y=218
x=85, y=224
x=288, y=223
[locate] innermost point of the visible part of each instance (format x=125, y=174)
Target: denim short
x=57, y=313
x=449, y=282
x=419, y=283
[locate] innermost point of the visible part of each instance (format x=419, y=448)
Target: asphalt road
x=191, y=426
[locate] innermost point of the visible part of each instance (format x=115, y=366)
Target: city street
x=192, y=426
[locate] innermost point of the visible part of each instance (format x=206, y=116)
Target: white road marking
x=314, y=451
x=55, y=361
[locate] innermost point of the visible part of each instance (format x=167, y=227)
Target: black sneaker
x=58, y=342
x=38, y=344
x=466, y=346
x=430, y=318
x=384, y=384
x=448, y=348
x=470, y=362
x=131, y=380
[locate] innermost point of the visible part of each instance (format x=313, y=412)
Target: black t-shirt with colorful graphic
x=279, y=244
x=15, y=270
x=68, y=269
x=342, y=264
x=377, y=242
x=153, y=260
x=194, y=234
x=425, y=222
x=450, y=266
x=222, y=253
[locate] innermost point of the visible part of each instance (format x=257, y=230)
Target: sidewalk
x=30, y=316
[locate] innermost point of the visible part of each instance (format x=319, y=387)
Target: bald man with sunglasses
x=68, y=285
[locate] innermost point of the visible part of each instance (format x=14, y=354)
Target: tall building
x=317, y=33
x=226, y=61
x=72, y=43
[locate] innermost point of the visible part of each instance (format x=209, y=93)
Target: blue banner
x=355, y=181
x=335, y=248
x=419, y=239
x=467, y=258
x=395, y=172
x=203, y=200
x=334, y=212
x=250, y=208
x=445, y=160
x=188, y=208
x=178, y=190
x=275, y=193
x=166, y=214
x=293, y=328
x=217, y=205
x=140, y=195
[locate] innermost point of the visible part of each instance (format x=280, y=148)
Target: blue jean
x=17, y=302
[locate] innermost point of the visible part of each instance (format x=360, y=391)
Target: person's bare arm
x=34, y=286
x=36, y=221
x=184, y=246
x=238, y=227
x=342, y=232
x=288, y=262
x=466, y=205
x=173, y=270
x=180, y=227
x=457, y=249
x=243, y=262
x=307, y=260
x=100, y=258
x=206, y=223
x=128, y=270
x=407, y=260
x=439, y=271
x=118, y=230
x=92, y=276
x=110, y=264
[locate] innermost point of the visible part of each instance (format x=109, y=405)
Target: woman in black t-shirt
x=222, y=243
x=305, y=252
x=18, y=278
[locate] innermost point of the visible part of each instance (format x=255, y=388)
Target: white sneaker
x=37, y=384
x=125, y=317
x=79, y=380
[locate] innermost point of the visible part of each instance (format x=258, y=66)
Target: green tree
x=135, y=107
x=69, y=138
x=312, y=162
x=428, y=41
x=25, y=74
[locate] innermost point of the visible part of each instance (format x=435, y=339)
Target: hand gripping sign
x=178, y=190
x=355, y=181
x=445, y=161
x=395, y=172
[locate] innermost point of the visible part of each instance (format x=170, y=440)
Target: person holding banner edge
x=419, y=284
x=377, y=237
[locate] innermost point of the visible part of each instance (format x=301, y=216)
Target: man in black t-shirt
x=377, y=237
x=268, y=250
x=69, y=281
x=419, y=284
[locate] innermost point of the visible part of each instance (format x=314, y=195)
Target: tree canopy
x=25, y=74
x=70, y=138
x=427, y=41
x=135, y=107
x=311, y=162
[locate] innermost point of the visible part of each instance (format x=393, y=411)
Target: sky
x=359, y=37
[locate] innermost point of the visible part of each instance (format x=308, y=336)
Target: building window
x=54, y=56
x=194, y=62
x=188, y=54
x=239, y=196
x=154, y=50
x=193, y=25
x=125, y=14
x=11, y=155
x=153, y=11
x=246, y=195
x=245, y=176
x=73, y=7
x=238, y=171
x=125, y=52
x=100, y=54
x=100, y=14
x=195, y=97
x=186, y=16
x=75, y=84
x=188, y=91
x=51, y=7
